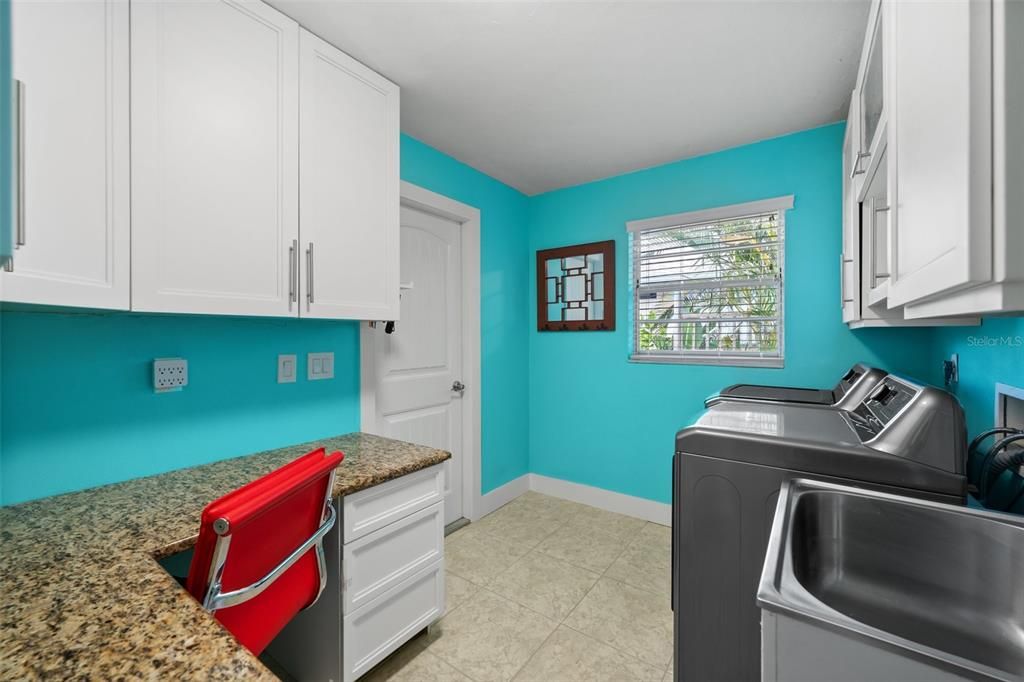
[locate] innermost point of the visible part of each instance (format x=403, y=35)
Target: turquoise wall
x=989, y=354
x=596, y=418
x=77, y=409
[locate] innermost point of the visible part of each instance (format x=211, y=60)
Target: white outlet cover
x=169, y=374
x=320, y=366
x=286, y=371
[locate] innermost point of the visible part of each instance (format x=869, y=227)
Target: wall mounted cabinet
x=959, y=230
x=942, y=144
x=215, y=185
x=211, y=224
x=921, y=157
x=349, y=177
x=70, y=62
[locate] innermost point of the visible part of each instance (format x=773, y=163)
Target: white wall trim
x=501, y=496
x=710, y=214
x=469, y=218
x=620, y=503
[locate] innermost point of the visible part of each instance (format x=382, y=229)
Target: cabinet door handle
x=19, y=108
x=309, y=275
x=843, y=260
x=857, y=170
x=292, y=275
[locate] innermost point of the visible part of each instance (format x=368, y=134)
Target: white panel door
x=349, y=176
x=940, y=101
x=416, y=367
x=214, y=158
x=72, y=61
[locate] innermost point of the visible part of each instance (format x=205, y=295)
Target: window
x=707, y=285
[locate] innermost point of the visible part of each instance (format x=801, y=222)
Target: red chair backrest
x=267, y=519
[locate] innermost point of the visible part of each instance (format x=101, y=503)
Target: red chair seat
x=249, y=532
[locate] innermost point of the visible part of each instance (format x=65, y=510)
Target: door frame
x=468, y=218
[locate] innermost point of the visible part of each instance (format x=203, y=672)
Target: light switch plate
x=169, y=374
x=320, y=366
x=286, y=369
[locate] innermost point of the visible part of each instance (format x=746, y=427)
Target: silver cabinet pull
x=843, y=260
x=309, y=275
x=19, y=107
x=857, y=170
x=18, y=111
x=292, y=275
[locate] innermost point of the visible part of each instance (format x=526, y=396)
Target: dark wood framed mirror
x=576, y=288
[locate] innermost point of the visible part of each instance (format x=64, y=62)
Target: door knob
x=458, y=386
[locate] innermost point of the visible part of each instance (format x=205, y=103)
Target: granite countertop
x=81, y=593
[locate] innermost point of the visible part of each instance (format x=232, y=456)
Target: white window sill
x=774, y=363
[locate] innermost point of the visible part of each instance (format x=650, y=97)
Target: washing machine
x=903, y=437
x=849, y=391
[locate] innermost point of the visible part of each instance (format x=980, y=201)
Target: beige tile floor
x=547, y=590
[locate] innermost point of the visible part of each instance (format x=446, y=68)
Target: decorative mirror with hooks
x=576, y=287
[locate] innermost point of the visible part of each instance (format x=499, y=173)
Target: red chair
x=252, y=566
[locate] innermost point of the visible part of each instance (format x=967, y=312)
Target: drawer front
x=378, y=561
x=390, y=620
x=368, y=510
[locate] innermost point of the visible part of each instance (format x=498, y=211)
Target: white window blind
x=708, y=285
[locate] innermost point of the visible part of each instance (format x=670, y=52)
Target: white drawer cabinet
x=383, y=625
x=376, y=507
x=72, y=224
x=377, y=562
x=215, y=185
x=385, y=581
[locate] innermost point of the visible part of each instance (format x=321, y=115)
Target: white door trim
x=469, y=219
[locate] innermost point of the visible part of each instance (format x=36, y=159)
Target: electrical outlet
x=286, y=373
x=951, y=369
x=320, y=366
x=170, y=374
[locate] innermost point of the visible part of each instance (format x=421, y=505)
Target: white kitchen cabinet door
x=349, y=176
x=72, y=226
x=214, y=158
x=940, y=121
x=849, y=257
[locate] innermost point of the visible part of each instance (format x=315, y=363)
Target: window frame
x=734, y=211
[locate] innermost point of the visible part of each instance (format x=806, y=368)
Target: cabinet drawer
x=376, y=507
x=380, y=560
x=390, y=620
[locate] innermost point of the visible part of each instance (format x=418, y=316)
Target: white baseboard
x=500, y=496
x=637, y=507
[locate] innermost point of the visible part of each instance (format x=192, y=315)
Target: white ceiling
x=543, y=95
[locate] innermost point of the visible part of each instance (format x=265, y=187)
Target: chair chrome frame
x=216, y=599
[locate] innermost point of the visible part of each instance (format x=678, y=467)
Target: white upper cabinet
x=350, y=186
x=941, y=146
x=869, y=184
x=215, y=184
x=849, y=257
x=870, y=96
x=982, y=238
x=72, y=217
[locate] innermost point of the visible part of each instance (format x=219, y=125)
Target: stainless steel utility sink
x=924, y=585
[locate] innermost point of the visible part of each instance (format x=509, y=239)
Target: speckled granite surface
x=81, y=594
